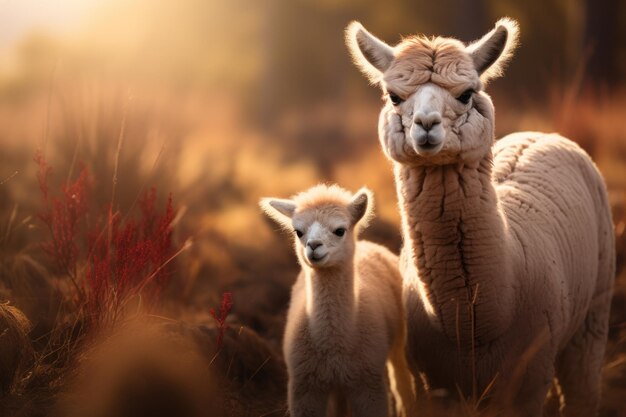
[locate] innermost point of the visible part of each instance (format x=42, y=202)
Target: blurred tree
x=603, y=39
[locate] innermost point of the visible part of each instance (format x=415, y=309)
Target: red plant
x=227, y=305
x=62, y=215
x=129, y=257
x=110, y=259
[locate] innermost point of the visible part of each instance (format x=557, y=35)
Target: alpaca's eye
x=395, y=99
x=466, y=96
x=299, y=233
x=340, y=232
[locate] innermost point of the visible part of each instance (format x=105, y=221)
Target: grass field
x=138, y=276
x=104, y=146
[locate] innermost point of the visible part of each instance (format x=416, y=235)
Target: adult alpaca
x=508, y=262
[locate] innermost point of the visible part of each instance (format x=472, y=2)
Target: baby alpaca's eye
x=395, y=99
x=466, y=96
x=299, y=233
x=340, y=231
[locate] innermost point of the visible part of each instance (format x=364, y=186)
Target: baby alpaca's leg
x=401, y=382
x=306, y=401
x=370, y=399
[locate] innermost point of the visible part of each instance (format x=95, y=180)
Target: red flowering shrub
x=129, y=257
x=110, y=258
x=62, y=215
x=227, y=304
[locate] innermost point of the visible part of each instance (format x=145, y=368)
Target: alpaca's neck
x=457, y=242
x=331, y=301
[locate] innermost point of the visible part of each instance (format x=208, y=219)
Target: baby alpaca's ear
x=369, y=53
x=361, y=207
x=279, y=210
x=494, y=50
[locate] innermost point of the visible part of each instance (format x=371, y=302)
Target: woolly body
x=345, y=319
x=508, y=261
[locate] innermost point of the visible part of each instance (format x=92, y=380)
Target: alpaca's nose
x=314, y=244
x=427, y=120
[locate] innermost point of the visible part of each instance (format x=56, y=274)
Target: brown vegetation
x=270, y=108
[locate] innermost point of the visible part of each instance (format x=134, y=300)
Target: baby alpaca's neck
x=332, y=295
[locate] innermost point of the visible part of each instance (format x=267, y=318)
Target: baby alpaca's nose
x=314, y=244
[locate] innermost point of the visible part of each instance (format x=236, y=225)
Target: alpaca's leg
x=579, y=365
x=525, y=388
x=338, y=405
x=370, y=399
x=531, y=404
x=401, y=382
x=306, y=401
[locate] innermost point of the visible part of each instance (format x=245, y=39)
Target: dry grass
x=217, y=168
x=15, y=347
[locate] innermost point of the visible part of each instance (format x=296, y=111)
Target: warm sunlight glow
x=18, y=17
x=137, y=138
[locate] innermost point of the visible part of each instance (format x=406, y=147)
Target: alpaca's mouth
x=426, y=143
x=428, y=149
x=315, y=258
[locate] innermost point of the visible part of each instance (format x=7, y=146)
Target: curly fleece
x=508, y=262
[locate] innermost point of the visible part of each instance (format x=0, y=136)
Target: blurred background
x=222, y=102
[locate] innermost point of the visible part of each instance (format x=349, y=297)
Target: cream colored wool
x=345, y=320
x=508, y=262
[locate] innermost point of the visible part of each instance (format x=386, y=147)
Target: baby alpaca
x=345, y=319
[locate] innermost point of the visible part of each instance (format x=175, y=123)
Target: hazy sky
x=19, y=17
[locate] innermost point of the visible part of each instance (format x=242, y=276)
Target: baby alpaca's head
x=325, y=221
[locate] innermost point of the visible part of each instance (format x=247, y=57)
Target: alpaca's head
x=325, y=221
x=436, y=111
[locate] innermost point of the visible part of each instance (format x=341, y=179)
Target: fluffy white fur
x=508, y=262
x=495, y=57
x=345, y=320
x=369, y=53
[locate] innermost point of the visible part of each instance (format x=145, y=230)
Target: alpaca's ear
x=361, y=207
x=369, y=53
x=279, y=210
x=494, y=50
